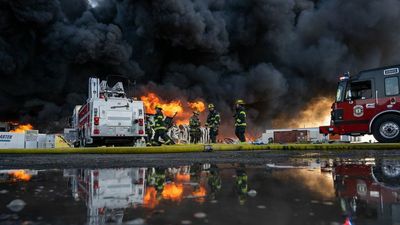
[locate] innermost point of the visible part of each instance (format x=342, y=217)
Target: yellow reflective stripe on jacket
x=240, y=124
x=160, y=128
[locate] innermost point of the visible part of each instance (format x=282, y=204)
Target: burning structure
x=274, y=54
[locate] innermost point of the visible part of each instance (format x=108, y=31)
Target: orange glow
x=22, y=128
x=315, y=114
x=200, y=194
x=182, y=178
x=182, y=107
x=250, y=137
x=173, y=191
x=20, y=175
x=151, y=100
x=198, y=105
x=150, y=199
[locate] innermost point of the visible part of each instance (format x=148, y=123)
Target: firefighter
x=213, y=122
x=214, y=181
x=241, y=185
x=149, y=129
x=194, y=126
x=160, y=131
x=240, y=121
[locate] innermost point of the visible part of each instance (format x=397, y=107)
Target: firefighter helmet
x=195, y=112
x=210, y=106
x=158, y=107
x=240, y=102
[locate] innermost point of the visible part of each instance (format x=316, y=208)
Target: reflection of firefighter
x=240, y=121
x=160, y=128
x=241, y=185
x=213, y=121
x=214, y=181
x=157, y=179
x=194, y=125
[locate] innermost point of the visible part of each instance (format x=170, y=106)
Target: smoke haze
x=277, y=55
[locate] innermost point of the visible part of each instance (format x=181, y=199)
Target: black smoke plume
x=277, y=55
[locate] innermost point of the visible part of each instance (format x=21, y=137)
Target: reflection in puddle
x=297, y=192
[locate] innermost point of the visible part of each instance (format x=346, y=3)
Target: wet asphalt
x=43, y=161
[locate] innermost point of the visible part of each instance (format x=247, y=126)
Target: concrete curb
x=200, y=148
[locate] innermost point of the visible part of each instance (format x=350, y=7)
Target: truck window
x=391, y=86
x=361, y=90
x=340, y=92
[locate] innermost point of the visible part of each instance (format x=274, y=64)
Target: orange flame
x=181, y=178
x=150, y=199
x=173, y=191
x=200, y=194
x=198, y=105
x=21, y=175
x=182, y=108
x=22, y=128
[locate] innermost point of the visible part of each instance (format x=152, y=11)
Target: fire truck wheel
x=386, y=129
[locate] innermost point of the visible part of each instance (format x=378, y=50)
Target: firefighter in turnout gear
x=160, y=130
x=240, y=121
x=194, y=126
x=213, y=122
x=149, y=129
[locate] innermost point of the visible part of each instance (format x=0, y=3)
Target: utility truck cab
x=109, y=117
x=367, y=103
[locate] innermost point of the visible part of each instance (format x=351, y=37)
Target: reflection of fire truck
x=369, y=192
x=107, y=192
x=109, y=116
x=368, y=103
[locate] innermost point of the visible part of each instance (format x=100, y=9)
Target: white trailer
x=109, y=117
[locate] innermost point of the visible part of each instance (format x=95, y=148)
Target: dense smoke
x=277, y=55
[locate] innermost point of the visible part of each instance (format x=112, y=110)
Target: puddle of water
x=297, y=192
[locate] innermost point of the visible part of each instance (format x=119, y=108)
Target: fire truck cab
x=367, y=103
x=109, y=116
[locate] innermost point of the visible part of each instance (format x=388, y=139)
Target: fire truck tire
x=386, y=129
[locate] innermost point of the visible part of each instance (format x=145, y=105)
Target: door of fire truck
x=357, y=107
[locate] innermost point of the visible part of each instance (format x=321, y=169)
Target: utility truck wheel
x=386, y=129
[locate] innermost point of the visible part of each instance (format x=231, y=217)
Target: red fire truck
x=368, y=103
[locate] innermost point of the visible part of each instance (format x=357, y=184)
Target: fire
x=317, y=113
x=200, y=194
x=182, y=108
x=22, y=128
x=182, y=178
x=150, y=199
x=151, y=100
x=199, y=106
x=21, y=175
x=173, y=191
